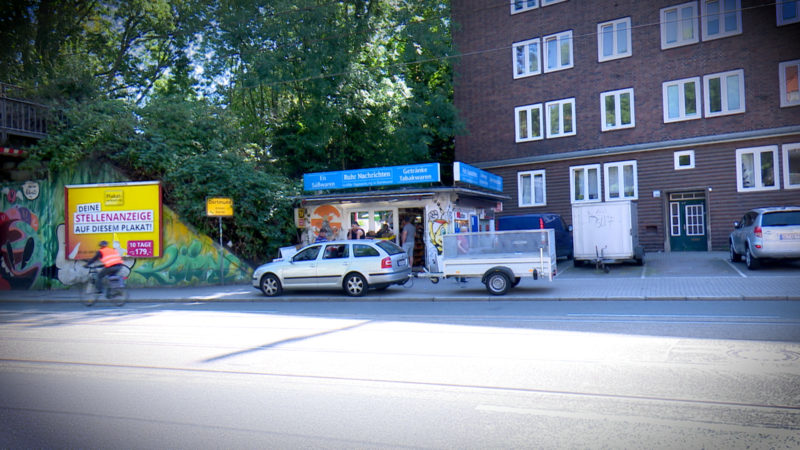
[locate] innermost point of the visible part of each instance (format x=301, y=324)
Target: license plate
x=788, y=236
x=402, y=262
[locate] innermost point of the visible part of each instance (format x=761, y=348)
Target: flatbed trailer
x=501, y=259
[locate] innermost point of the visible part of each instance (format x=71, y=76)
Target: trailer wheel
x=498, y=283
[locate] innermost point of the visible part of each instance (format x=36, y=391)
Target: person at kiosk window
x=322, y=236
x=356, y=232
x=112, y=263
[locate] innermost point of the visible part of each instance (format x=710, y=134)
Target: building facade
x=690, y=109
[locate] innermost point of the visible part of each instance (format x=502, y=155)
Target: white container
x=606, y=231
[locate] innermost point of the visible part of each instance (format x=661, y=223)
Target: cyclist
x=112, y=263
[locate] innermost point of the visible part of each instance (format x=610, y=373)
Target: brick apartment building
x=692, y=109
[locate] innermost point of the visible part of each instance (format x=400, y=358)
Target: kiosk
x=434, y=211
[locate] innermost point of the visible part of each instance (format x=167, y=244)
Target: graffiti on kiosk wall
x=32, y=241
x=438, y=220
x=328, y=218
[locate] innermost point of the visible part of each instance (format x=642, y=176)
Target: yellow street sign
x=219, y=207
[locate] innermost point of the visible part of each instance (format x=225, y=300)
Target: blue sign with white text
x=378, y=176
x=472, y=175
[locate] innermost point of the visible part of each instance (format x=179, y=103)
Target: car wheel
x=752, y=262
x=498, y=283
x=735, y=257
x=271, y=285
x=355, y=285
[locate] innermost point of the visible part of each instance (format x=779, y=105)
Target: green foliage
x=235, y=98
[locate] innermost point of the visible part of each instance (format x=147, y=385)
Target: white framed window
x=621, y=181
x=757, y=168
x=679, y=25
x=584, y=183
x=518, y=6
x=684, y=159
x=616, y=109
x=791, y=166
x=560, y=118
x=723, y=93
x=551, y=2
x=681, y=99
x=527, y=58
x=557, y=51
x=788, y=76
x=787, y=11
x=532, y=188
x=720, y=18
x=528, y=121
x=614, y=39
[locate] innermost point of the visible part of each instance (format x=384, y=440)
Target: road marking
x=741, y=274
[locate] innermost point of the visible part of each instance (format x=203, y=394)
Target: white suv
x=766, y=233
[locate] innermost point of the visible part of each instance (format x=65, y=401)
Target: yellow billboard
x=127, y=215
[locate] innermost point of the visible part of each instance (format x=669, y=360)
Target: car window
x=307, y=254
x=390, y=247
x=336, y=251
x=780, y=218
x=361, y=250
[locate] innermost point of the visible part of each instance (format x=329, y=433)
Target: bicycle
x=113, y=288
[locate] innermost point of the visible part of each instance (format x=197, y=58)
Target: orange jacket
x=109, y=257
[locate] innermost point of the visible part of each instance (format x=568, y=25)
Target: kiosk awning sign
x=378, y=176
x=127, y=215
x=472, y=175
x=219, y=207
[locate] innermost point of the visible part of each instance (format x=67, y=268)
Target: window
x=616, y=108
x=558, y=51
x=788, y=11
x=621, y=181
x=584, y=182
x=721, y=18
x=790, y=92
x=724, y=93
x=614, y=39
x=560, y=118
x=308, y=254
x=684, y=159
x=532, y=189
x=679, y=25
x=518, y=6
x=336, y=251
x=791, y=166
x=527, y=56
x=551, y=2
x=362, y=250
x=528, y=122
x=681, y=99
x=757, y=168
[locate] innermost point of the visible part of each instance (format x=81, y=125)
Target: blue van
x=538, y=221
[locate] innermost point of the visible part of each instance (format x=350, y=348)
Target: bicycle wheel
x=119, y=296
x=87, y=293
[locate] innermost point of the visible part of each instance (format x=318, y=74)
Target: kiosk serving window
x=373, y=219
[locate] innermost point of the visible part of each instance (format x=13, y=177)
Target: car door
x=302, y=271
x=334, y=264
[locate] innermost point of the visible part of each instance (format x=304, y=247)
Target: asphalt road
x=401, y=375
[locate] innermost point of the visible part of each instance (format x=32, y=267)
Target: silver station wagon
x=353, y=266
x=766, y=233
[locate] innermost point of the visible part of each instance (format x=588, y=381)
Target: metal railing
x=21, y=117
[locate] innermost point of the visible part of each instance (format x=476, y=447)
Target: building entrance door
x=687, y=220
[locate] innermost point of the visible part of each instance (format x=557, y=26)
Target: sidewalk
x=664, y=276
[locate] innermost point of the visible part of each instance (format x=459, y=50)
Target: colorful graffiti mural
x=32, y=242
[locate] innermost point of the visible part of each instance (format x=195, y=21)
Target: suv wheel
x=735, y=257
x=355, y=285
x=752, y=262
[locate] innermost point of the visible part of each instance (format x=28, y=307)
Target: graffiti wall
x=32, y=241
